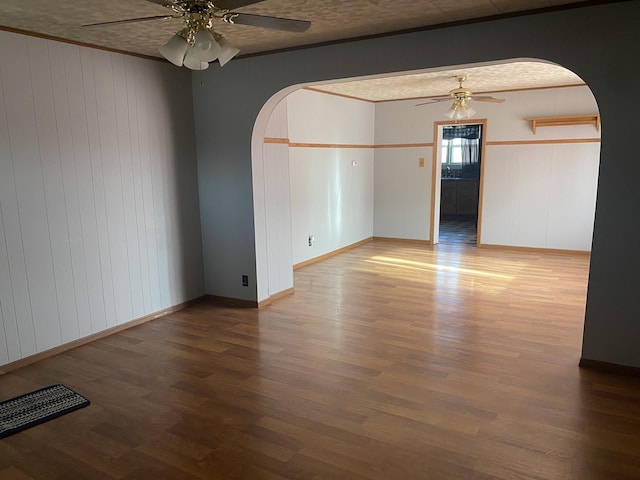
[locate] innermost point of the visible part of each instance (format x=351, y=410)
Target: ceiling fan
x=461, y=96
x=197, y=43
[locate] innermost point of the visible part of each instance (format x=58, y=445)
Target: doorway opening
x=459, y=155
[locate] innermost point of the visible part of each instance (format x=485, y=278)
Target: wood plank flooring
x=391, y=361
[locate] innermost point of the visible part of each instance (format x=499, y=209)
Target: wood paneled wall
x=99, y=216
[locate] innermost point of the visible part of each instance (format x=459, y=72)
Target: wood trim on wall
x=404, y=145
x=286, y=141
x=350, y=97
x=318, y=89
x=23, y=362
x=436, y=166
x=280, y=141
x=491, y=143
x=331, y=254
x=542, y=142
x=483, y=162
x=327, y=145
x=434, y=181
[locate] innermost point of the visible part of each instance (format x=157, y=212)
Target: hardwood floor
x=391, y=361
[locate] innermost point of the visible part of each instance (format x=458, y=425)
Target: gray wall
x=599, y=43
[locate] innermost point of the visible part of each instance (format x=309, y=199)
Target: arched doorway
x=509, y=196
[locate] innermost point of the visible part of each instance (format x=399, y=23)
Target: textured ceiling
x=331, y=20
x=480, y=79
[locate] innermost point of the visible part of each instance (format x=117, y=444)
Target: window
x=461, y=145
x=452, y=151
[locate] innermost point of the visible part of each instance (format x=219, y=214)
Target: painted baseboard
x=610, y=367
x=276, y=296
x=231, y=302
x=533, y=249
x=403, y=240
x=23, y=362
x=331, y=254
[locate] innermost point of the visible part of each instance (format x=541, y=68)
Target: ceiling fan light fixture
x=206, y=47
x=227, y=51
x=451, y=112
x=470, y=112
x=197, y=44
x=459, y=110
x=193, y=62
x=175, y=50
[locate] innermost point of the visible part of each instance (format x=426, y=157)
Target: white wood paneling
x=540, y=196
x=276, y=157
x=72, y=289
x=402, y=191
x=278, y=124
x=10, y=242
x=516, y=196
x=331, y=199
x=402, y=122
x=108, y=136
x=92, y=193
x=95, y=212
x=9, y=338
x=321, y=118
x=535, y=195
x=55, y=210
x=18, y=223
x=572, y=203
x=331, y=188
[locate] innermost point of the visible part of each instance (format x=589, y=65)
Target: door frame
x=436, y=174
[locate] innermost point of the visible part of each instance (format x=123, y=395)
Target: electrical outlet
x=421, y=162
x=311, y=240
x=245, y=280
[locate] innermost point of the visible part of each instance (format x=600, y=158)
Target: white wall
x=273, y=266
x=539, y=196
x=99, y=215
x=542, y=196
x=402, y=193
x=331, y=188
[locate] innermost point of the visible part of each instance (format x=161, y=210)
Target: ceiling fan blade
x=130, y=20
x=487, y=99
x=232, y=4
x=164, y=3
x=434, y=100
x=275, y=23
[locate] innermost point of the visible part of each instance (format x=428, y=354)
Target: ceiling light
x=459, y=110
x=197, y=44
x=175, y=50
x=205, y=47
x=193, y=61
x=227, y=51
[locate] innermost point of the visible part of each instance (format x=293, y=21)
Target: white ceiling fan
x=198, y=43
x=460, y=107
